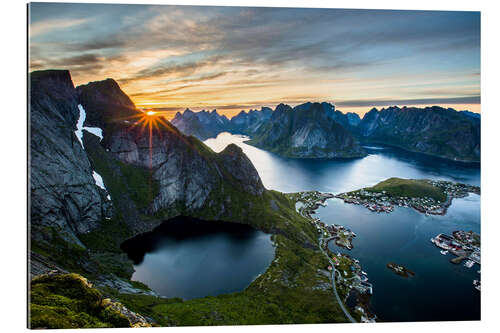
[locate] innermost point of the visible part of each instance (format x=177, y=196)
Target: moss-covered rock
x=70, y=301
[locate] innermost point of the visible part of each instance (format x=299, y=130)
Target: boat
x=433, y=241
x=477, y=284
x=444, y=252
x=469, y=263
x=363, y=272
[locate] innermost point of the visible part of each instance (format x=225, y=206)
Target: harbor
x=464, y=245
x=350, y=281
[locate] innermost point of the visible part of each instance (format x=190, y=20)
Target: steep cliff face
x=125, y=180
x=241, y=168
x=109, y=105
x=188, y=172
x=348, y=120
x=307, y=131
x=432, y=130
x=64, y=194
x=202, y=125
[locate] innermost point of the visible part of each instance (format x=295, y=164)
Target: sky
x=169, y=58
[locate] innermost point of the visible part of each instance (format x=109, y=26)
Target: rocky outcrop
x=432, y=130
x=187, y=171
x=63, y=192
x=128, y=178
x=241, y=169
x=202, y=125
x=249, y=122
x=71, y=301
x=309, y=130
x=107, y=103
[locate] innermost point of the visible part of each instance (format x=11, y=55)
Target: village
x=383, y=202
x=465, y=246
x=351, y=280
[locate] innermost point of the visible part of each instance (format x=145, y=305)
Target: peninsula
x=424, y=195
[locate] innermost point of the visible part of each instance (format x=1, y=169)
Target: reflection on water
x=292, y=175
x=440, y=290
x=404, y=237
x=189, y=258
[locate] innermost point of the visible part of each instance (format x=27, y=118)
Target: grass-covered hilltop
x=97, y=180
x=411, y=188
x=424, y=195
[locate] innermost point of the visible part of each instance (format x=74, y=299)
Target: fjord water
x=440, y=290
x=189, y=258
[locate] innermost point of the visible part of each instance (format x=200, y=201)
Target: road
x=334, y=270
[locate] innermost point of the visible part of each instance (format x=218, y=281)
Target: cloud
x=189, y=55
x=172, y=70
x=421, y=101
x=79, y=60
x=42, y=27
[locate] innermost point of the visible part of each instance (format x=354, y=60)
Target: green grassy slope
x=411, y=188
x=290, y=291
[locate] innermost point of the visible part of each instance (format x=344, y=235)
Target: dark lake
x=440, y=290
x=189, y=258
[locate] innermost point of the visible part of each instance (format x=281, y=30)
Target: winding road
x=334, y=270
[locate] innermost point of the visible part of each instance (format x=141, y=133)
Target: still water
x=440, y=290
x=189, y=258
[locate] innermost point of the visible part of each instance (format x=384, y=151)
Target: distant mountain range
x=432, y=130
x=310, y=130
x=318, y=130
x=205, y=124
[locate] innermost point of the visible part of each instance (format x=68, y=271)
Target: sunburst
x=148, y=121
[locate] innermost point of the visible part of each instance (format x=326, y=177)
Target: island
x=426, y=196
x=400, y=270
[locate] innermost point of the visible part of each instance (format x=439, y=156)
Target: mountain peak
x=104, y=101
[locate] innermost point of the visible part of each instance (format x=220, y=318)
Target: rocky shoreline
x=400, y=270
x=352, y=280
x=381, y=201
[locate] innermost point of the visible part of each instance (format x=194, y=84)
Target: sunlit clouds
x=168, y=58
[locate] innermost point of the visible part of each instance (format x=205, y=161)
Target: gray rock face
x=250, y=122
x=242, y=169
x=432, y=130
x=110, y=105
x=204, y=124
x=309, y=130
x=63, y=191
x=187, y=171
x=201, y=125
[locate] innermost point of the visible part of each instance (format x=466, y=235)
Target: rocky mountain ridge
x=308, y=130
x=96, y=166
x=63, y=191
x=202, y=125
x=433, y=130
x=436, y=131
